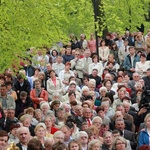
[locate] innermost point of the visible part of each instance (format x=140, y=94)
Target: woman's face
x=95, y=60
x=120, y=145
x=143, y=59
x=103, y=43
x=40, y=132
x=96, y=146
x=27, y=122
x=74, y=146
x=48, y=122
x=54, y=53
x=44, y=110
x=85, y=93
x=52, y=74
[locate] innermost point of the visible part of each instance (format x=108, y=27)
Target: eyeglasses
x=77, y=54
x=97, y=122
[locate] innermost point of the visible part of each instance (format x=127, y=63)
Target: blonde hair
x=22, y=118
x=40, y=125
x=146, y=117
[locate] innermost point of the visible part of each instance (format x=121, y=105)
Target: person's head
x=74, y=145
x=107, y=138
x=48, y=67
x=97, y=121
x=36, y=71
x=77, y=54
x=10, y=113
x=59, y=146
x=84, y=126
x=26, y=120
x=67, y=66
x=41, y=76
x=40, y=130
x=59, y=59
x=87, y=53
x=120, y=143
x=72, y=96
x=126, y=106
x=52, y=73
x=94, y=144
x=78, y=110
x=100, y=111
x=9, y=85
x=13, y=128
x=37, y=84
x=142, y=57
x=92, y=85
x=66, y=130
x=48, y=144
x=54, y=53
x=120, y=108
x=38, y=114
x=82, y=36
x=3, y=90
x=23, y=96
x=95, y=59
x=34, y=144
x=103, y=91
x=147, y=120
x=48, y=121
x=83, y=137
x=105, y=104
x=118, y=114
x=87, y=113
x=102, y=43
x=126, y=42
x=132, y=50
x=61, y=113
x=116, y=133
x=85, y=91
x=107, y=83
x=44, y=107
x=23, y=134
x=72, y=86
x=55, y=104
x=85, y=80
x=58, y=136
x=3, y=139
x=94, y=72
x=120, y=124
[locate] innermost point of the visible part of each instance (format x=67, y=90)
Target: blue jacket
x=143, y=138
x=128, y=64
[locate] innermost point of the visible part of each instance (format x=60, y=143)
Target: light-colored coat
x=97, y=66
x=87, y=62
x=58, y=67
x=78, y=66
x=104, y=52
x=59, y=88
x=9, y=101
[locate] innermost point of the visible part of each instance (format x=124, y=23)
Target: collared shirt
x=132, y=60
x=24, y=147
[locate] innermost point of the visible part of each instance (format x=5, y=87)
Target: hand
x=132, y=70
x=41, y=99
x=142, y=111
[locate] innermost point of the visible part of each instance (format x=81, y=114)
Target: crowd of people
x=78, y=98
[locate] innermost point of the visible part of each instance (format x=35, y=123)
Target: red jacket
x=35, y=100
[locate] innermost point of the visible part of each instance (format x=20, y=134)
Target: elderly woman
x=119, y=143
x=54, y=84
x=74, y=145
x=94, y=145
x=85, y=93
x=97, y=122
x=40, y=132
x=44, y=108
x=26, y=121
x=50, y=130
x=38, y=94
x=144, y=134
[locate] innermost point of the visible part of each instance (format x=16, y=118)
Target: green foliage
x=34, y=23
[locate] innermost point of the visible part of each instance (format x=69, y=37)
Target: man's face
x=11, y=114
x=23, y=98
x=3, y=141
x=78, y=111
x=83, y=139
x=94, y=73
x=59, y=137
x=37, y=85
x=87, y=113
x=24, y=136
x=67, y=133
x=108, y=139
x=121, y=109
x=120, y=125
x=132, y=51
x=3, y=91
x=59, y=59
x=48, y=68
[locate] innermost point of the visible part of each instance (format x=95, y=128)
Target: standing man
x=130, y=61
x=6, y=100
x=77, y=64
x=87, y=60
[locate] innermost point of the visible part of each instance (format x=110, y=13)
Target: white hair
x=102, y=89
x=97, y=117
x=45, y=104
x=85, y=88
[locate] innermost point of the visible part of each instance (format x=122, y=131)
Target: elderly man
x=83, y=138
x=24, y=137
x=58, y=136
